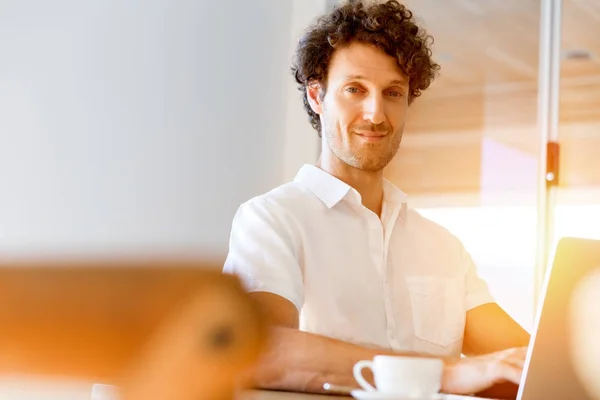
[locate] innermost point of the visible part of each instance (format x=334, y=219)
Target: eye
x=352, y=89
x=395, y=93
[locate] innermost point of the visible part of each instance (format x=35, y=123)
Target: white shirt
x=398, y=282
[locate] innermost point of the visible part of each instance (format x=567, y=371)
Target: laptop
x=551, y=370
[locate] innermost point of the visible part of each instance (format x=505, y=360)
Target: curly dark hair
x=389, y=26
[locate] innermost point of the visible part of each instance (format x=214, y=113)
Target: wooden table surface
x=272, y=395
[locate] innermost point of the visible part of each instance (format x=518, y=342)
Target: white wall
x=302, y=144
x=132, y=126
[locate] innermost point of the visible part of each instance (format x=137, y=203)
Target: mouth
x=371, y=136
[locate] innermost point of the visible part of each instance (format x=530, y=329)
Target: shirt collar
x=392, y=194
x=330, y=190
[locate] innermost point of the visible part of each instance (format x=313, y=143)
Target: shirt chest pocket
x=438, y=308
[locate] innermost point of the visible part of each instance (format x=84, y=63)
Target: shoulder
x=444, y=252
x=424, y=229
x=287, y=199
x=286, y=195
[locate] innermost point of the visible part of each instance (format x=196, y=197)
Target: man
x=344, y=270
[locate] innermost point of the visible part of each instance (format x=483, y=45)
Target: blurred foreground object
x=585, y=326
x=157, y=330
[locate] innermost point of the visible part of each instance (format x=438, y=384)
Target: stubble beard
x=369, y=157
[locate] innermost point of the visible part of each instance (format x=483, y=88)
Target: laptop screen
x=558, y=368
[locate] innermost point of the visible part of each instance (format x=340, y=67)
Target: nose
x=373, y=109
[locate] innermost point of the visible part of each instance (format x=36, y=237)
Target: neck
x=368, y=183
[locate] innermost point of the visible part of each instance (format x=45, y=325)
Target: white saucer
x=364, y=395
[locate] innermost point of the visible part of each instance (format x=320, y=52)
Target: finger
x=521, y=351
x=516, y=358
x=516, y=352
x=512, y=352
x=506, y=371
x=516, y=362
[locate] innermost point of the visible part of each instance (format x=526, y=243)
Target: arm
x=489, y=329
x=300, y=361
x=303, y=362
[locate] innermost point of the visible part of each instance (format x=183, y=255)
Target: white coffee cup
x=407, y=376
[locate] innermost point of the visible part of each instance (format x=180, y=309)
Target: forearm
x=496, y=341
x=490, y=329
x=303, y=362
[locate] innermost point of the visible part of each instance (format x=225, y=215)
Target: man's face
x=364, y=108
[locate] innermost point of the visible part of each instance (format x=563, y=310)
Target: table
x=273, y=395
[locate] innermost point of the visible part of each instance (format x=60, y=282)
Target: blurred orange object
x=156, y=329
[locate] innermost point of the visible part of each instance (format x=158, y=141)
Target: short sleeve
x=477, y=291
x=263, y=252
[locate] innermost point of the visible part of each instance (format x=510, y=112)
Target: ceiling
x=487, y=91
x=488, y=50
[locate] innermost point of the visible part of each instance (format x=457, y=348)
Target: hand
x=475, y=374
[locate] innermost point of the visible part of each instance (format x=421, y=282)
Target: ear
x=313, y=91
